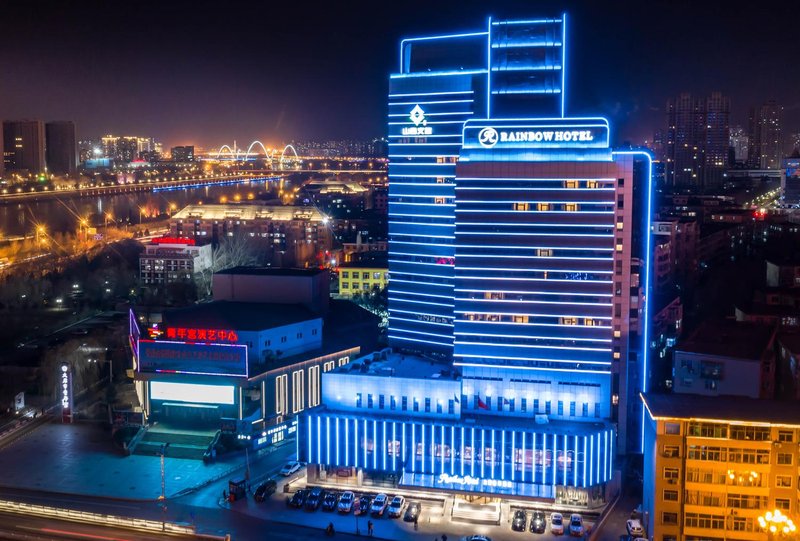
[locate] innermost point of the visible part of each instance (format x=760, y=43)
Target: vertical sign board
x=65, y=392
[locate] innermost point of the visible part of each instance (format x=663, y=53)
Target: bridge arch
x=259, y=143
x=282, y=162
x=230, y=152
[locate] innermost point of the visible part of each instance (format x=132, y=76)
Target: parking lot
x=435, y=517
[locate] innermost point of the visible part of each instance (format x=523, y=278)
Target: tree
x=239, y=250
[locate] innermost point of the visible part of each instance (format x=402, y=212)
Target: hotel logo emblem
x=420, y=126
x=487, y=137
x=417, y=116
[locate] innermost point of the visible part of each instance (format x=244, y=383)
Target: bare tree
x=238, y=250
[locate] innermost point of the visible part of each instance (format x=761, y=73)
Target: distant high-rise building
x=739, y=143
x=182, y=153
x=765, y=151
x=60, y=148
x=23, y=145
x=698, y=135
x=128, y=149
x=2, y=155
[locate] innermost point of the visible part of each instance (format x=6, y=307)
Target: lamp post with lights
x=777, y=524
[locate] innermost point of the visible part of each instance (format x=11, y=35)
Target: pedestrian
x=444, y=537
x=369, y=528
x=416, y=522
x=224, y=494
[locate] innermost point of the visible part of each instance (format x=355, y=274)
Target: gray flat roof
x=723, y=408
x=242, y=316
x=270, y=271
x=728, y=338
x=399, y=365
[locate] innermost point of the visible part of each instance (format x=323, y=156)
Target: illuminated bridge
x=284, y=160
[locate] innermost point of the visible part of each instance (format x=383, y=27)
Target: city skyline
x=259, y=77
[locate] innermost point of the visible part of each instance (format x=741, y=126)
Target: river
x=62, y=215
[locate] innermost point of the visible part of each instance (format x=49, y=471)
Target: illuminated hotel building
x=517, y=242
x=714, y=465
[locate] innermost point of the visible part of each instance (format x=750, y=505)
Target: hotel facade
x=518, y=273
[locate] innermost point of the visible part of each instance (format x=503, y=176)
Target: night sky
x=209, y=73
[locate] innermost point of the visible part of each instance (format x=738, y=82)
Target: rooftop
x=248, y=211
x=271, y=271
x=728, y=338
x=368, y=260
x=387, y=363
x=241, y=316
x=722, y=408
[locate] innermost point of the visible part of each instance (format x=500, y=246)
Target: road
x=199, y=508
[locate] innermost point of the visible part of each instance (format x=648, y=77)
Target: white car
x=634, y=527
x=290, y=468
x=576, y=525
x=556, y=524
x=396, y=507
x=346, y=502
x=379, y=505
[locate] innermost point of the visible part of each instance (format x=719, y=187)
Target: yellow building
x=358, y=277
x=714, y=465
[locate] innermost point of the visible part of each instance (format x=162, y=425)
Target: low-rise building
x=291, y=236
x=726, y=358
x=363, y=276
x=714, y=465
x=783, y=273
x=246, y=366
x=168, y=260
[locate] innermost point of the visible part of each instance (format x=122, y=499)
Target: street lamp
x=162, y=499
x=108, y=217
x=776, y=523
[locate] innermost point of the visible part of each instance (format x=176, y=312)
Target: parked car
x=634, y=527
x=364, y=503
x=346, y=502
x=520, y=521
x=556, y=524
x=396, y=507
x=290, y=468
x=379, y=505
x=315, y=498
x=538, y=522
x=476, y=538
x=330, y=502
x=576, y=525
x=298, y=499
x=265, y=490
x=412, y=512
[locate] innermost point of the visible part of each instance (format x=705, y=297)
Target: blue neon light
x=563, y=63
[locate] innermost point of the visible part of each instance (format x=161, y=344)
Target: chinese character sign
x=201, y=335
x=192, y=358
x=65, y=391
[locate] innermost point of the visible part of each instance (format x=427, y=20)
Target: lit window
x=440, y=180
x=570, y=183
x=619, y=226
x=521, y=206
x=543, y=206
x=571, y=207
x=544, y=252
x=439, y=200
x=519, y=319
x=568, y=321
x=592, y=184
x=618, y=247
